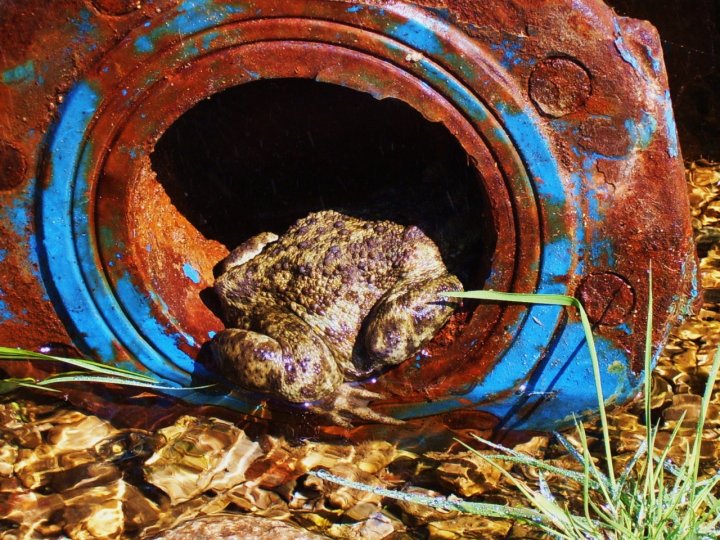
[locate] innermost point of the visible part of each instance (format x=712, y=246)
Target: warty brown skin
x=334, y=299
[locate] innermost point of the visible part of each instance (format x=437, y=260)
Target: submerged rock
x=200, y=455
x=236, y=526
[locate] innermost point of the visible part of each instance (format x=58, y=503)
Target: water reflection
x=68, y=472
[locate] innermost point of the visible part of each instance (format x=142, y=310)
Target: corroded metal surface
x=563, y=112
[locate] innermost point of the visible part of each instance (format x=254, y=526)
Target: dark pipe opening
x=257, y=157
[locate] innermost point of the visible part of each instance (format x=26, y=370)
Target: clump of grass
x=652, y=498
x=88, y=371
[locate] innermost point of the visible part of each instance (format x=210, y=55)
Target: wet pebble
x=233, y=526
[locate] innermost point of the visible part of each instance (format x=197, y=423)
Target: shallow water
x=64, y=472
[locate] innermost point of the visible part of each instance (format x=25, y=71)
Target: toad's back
x=330, y=269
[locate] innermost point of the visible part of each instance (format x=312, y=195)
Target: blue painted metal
x=559, y=212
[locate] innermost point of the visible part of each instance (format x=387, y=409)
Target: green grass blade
x=605, y=487
x=712, y=480
x=630, y=466
x=37, y=386
x=540, y=465
x=580, y=458
x=705, y=404
x=517, y=298
x=544, y=487
x=61, y=378
x=714, y=510
x=10, y=385
x=569, y=448
x=649, y=432
x=567, y=301
x=99, y=373
x=662, y=460
x=441, y=503
x=555, y=516
x=705, y=495
x=586, y=491
x=8, y=353
x=513, y=456
x=565, y=524
x=652, y=498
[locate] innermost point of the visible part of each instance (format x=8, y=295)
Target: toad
x=335, y=299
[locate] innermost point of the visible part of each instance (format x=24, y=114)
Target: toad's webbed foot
x=350, y=403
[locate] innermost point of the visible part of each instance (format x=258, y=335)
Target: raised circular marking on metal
x=559, y=86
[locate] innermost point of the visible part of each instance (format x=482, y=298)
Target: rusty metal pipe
x=561, y=108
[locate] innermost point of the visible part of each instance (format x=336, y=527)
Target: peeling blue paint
x=190, y=50
x=19, y=74
x=156, y=334
x=193, y=16
x=509, y=50
x=666, y=104
x=602, y=252
x=159, y=301
x=3, y=254
x=208, y=38
x=443, y=13
x=79, y=106
x=95, y=315
x=83, y=25
x=642, y=132
x=34, y=264
x=212, y=334
x=535, y=151
x=191, y=273
x=144, y=44
x=5, y=313
x=599, y=248
x=355, y=8
x=417, y=36
x=566, y=357
x=625, y=53
x=558, y=383
x=529, y=341
x=133, y=315
x=18, y=217
x=65, y=154
x=563, y=378
x=654, y=61
x=624, y=327
x=694, y=291
x=577, y=188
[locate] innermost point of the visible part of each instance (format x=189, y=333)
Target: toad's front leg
x=286, y=359
x=407, y=317
x=281, y=356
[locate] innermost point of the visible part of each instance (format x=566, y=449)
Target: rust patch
x=12, y=166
